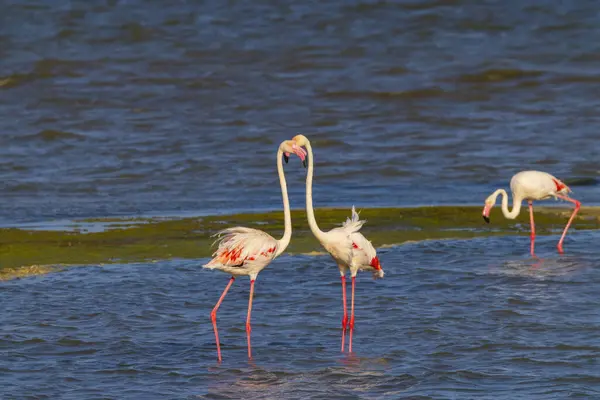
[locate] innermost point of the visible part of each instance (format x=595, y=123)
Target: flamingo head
x=298, y=142
x=288, y=147
x=376, y=266
x=489, y=203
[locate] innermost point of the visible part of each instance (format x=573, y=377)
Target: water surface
x=451, y=319
x=131, y=108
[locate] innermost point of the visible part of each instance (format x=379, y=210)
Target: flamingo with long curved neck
x=530, y=186
x=246, y=251
x=517, y=202
x=348, y=247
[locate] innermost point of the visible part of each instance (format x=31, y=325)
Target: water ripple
x=453, y=96
x=448, y=320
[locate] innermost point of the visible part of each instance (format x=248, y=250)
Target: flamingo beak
x=486, y=213
x=286, y=157
x=300, y=152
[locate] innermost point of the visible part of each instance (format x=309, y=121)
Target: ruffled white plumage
x=350, y=248
x=242, y=251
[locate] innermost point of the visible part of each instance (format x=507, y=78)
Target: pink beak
x=486, y=213
x=300, y=152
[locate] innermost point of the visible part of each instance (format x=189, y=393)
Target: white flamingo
x=530, y=186
x=349, y=248
x=246, y=251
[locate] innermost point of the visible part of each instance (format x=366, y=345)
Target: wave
x=499, y=75
x=45, y=69
x=384, y=95
x=51, y=135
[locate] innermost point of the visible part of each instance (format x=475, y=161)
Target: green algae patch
x=27, y=270
x=151, y=239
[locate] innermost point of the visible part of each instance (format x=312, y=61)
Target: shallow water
x=451, y=319
x=129, y=108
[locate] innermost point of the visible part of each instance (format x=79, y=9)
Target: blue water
x=451, y=319
x=133, y=108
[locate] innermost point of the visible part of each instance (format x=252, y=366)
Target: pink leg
x=532, y=227
x=248, y=327
x=213, y=316
x=577, y=207
x=351, y=315
x=345, y=319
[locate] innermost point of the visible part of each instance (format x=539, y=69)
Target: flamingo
x=246, y=251
x=530, y=186
x=346, y=245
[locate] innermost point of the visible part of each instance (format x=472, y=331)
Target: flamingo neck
x=516, y=209
x=310, y=213
x=287, y=217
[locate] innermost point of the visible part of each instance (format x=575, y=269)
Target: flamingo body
x=350, y=249
x=243, y=251
x=532, y=186
x=536, y=185
x=347, y=246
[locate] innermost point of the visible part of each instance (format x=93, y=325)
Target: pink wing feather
x=363, y=251
x=238, y=247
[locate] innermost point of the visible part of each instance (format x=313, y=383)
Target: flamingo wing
x=537, y=185
x=343, y=246
x=241, y=248
x=364, y=256
x=560, y=187
x=363, y=251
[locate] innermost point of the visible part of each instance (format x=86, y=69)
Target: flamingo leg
x=213, y=316
x=351, y=316
x=345, y=318
x=532, y=227
x=577, y=207
x=248, y=327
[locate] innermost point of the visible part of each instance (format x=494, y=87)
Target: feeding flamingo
x=349, y=248
x=246, y=251
x=530, y=186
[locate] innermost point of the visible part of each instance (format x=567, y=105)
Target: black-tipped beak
x=305, y=162
x=486, y=219
x=286, y=158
